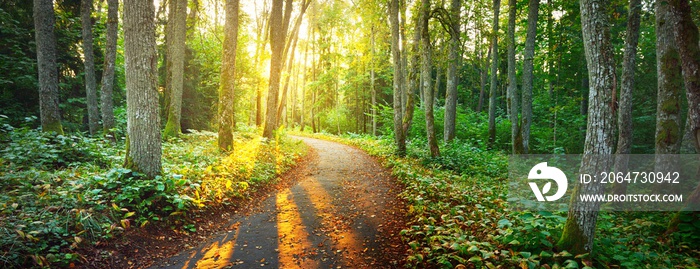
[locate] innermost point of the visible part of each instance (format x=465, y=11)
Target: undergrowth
x=460, y=217
x=59, y=193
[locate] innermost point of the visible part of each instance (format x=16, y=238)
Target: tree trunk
x=579, y=229
x=176, y=64
x=452, y=79
x=494, y=74
x=412, y=79
x=263, y=30
x=686, y=35
x=89, y=61
x=278, y=33
x=529, y=55
x=624, y=116
x=228, y=77
x=143, y=152
x=427, y=64
x=374, y=91
x=484, y=76
x=399, y=136
x=289, y=52
x=107, y=87
x=670, y=84
x=512, y=93
x=44, y=20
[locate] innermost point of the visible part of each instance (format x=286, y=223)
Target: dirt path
x=343, y=213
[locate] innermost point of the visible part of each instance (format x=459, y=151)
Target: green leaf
x=546, y=254
x=160, y=186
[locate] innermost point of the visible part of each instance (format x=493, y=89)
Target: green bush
x=25, y=148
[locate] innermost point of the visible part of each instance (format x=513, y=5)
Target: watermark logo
x=542, y=171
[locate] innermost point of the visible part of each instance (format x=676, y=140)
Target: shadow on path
x=343, y=213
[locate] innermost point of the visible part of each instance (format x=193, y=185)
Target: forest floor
x=338, y=208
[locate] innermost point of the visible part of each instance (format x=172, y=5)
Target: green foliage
x=59, y=200
x=460, y=216
x=25, y=148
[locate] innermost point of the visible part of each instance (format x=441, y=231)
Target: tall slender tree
x=278, y=32
x=177, y=24
x=579, y=228
x=624, y=116
x=289, y=52
x=670, y=84
x=512, y=93
x=143, y=152
x=89, y=61
x=426, y=77
x=228, y=78
x=452, y=79
x=398, y=82
x=44, y=20
x=688, y=37
x=528, y=57
x=107, y=85
x=494, y=73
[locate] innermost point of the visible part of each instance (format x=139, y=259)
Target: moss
x=669, y=134
x=53, y=126
x=671, y=105
x=172, y=129
x=572, y=238
x=128, y=162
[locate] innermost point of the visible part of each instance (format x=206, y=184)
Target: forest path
x=343, y=213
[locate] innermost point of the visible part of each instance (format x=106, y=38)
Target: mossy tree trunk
x=579, y=229
x=89, y=62
x=107, y=85
x=427, y=65
x=44, y=20
x=279, y=21
x=452, y=78
x=624, y=116
x=670, y=85
x=140, y=58
x=687, y=37
x=398, y=84
x=228, y=71
x=177, y=26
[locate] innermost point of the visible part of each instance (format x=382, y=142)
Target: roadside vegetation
x=59, y=193
x=459, y=216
